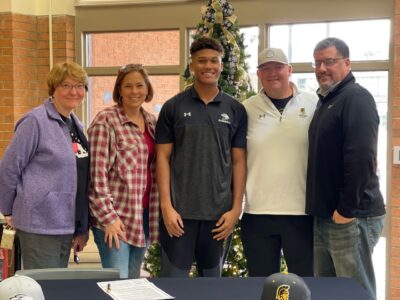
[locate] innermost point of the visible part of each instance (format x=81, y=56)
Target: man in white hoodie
x=274, y=218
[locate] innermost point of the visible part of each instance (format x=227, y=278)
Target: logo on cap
x=270, y=53
x=281, y=286
x=282, y=292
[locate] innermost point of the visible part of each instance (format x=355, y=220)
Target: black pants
x=265, y=236
x=196, y=244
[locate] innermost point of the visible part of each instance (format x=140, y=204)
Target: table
x=228, y=288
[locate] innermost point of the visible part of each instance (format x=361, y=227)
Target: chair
x=72, y=273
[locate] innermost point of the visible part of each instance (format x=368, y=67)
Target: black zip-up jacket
x=342, y=154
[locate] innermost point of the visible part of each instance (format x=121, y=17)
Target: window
x=298, y=40
x=107, y=52
x=150, y=48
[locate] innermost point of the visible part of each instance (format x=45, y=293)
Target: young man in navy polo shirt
x=201, y=167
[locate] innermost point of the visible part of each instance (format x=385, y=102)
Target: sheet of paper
x=133, y=289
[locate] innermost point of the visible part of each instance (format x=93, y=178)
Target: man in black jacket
x=342, y=185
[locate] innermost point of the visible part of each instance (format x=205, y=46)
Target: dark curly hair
x=206, y=43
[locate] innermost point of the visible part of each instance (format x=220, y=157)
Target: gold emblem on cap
x=282, y=292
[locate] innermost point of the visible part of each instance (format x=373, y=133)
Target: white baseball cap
x=20, y=287
x=272, y=55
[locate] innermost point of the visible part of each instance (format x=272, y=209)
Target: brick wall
x=24, y=64
x=6, y=84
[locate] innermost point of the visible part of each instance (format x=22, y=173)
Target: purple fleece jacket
x=38, y=175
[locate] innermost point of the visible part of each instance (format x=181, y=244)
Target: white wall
x=114, y=2
x=63, y=7
x=38, y=7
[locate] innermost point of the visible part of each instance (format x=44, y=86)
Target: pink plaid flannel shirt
x=118, y=169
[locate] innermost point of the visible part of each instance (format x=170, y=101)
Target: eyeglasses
x=130, y=67
x=80, y=87
x=328, y=62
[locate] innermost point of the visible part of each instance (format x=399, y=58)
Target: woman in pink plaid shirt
x=123, y=194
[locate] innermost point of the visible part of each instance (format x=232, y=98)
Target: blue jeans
x=128, y=259
x=345, y=250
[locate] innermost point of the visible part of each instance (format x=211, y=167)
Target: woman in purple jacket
x=44, y=174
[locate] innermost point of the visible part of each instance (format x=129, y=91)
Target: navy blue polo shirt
x=201, y=162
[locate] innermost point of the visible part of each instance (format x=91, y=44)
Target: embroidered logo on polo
x=262, y=116
x=303, y=113
x=224, y=119
x=187, y=114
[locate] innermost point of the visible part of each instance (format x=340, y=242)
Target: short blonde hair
x=63, y=70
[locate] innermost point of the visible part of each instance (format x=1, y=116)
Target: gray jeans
x=41, y=251
x=345, y=250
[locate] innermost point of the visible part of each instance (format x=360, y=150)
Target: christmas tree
x=220, y=23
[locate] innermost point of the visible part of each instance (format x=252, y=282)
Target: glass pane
x=99, y=94
x=146, y=47
x=379, y=261
x=305, y=81
x=251, y=41
x=299, y=40
x=371, y=46
x=304, y=38
x=279, y=37
x=165, y=87
x=101, y=89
